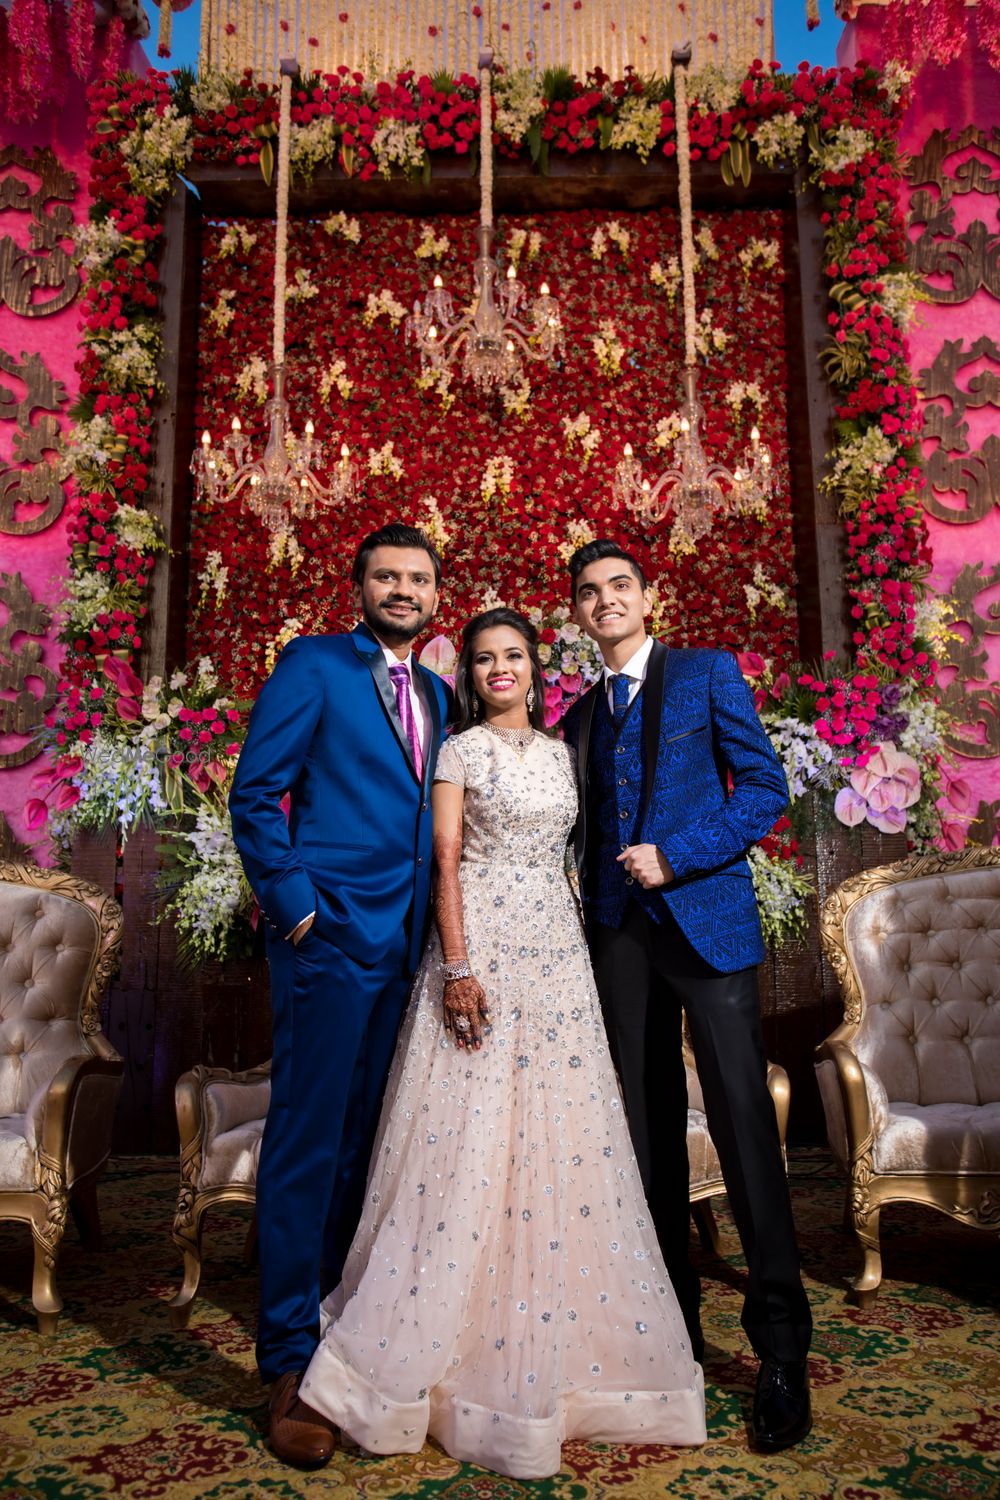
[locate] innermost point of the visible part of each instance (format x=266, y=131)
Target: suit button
x=419, y=861
x=623, y=781
x=619, y=749
x=623, y=815
x=629, y=880
x=423, y=807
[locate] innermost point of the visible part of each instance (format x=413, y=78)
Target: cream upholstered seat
x=60, y=940
x=703, y=1159
x=911, y=1080
x=220, y=1117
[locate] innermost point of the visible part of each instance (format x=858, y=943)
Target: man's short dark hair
x=394, y=535
x=597, y=551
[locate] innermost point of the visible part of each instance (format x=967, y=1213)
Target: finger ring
x=461, y=1023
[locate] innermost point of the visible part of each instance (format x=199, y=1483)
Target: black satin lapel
x=582, y=751
x=433, y=708
x=653, y=691
x=375, y=662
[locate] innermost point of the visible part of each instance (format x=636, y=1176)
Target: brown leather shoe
x=299, y=1435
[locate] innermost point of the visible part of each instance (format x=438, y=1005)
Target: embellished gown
x=505, y=1291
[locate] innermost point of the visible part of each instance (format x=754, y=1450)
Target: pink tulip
x=889, y=820
x=957, y=791
x=954, y=835
x=881, y=790
x=71, y=765
x=750, y=663
x=42, y=780
x=571, y=683
x=129, y=709
x=216, y=770
x=850, y=808
x=123, y=677
x=889, y=779
x=199, y=776
x=36, y=814
x=439, y=655
x=67, y=796
x=780, y=685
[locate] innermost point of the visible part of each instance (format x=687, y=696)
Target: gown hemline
x=516, y=1446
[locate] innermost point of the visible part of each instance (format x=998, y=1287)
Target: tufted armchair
x=910, y=1081
x=59, y=1075
x=220, y=1117
x=703, y=1160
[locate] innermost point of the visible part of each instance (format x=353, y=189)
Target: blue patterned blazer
x=699, y=727
x=357, y=844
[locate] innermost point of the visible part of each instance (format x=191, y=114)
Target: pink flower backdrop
x=42, y=193
x=949, y=133
x=507, y=484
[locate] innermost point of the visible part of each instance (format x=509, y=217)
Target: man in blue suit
x=349, y=726
x=677, y=781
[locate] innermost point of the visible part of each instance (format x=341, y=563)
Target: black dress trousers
x=648, y=975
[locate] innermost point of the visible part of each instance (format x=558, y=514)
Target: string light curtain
x=378, y=36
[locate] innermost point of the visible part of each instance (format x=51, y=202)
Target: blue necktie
x=620, y=685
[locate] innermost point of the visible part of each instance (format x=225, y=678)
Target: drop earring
x=529, y=701
x=476, y=705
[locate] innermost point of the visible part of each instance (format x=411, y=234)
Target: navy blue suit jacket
x=357, y=844
x=699, y=727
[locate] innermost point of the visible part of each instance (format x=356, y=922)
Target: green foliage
x=657, y=89
x=558, y=83
x=182, y=83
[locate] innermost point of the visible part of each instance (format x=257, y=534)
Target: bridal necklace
x=518, y=739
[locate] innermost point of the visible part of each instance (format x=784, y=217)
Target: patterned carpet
x=906, y=1396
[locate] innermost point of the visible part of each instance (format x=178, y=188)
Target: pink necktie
x=400, y=675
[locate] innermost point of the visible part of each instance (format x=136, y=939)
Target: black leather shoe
x=782, y=1414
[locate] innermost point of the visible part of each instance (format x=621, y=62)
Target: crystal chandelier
x=498, y=328
x=281, y=484
x=693, y=488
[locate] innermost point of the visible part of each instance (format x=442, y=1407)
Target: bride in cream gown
x=505, y=1291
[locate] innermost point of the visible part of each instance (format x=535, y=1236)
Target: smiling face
x=611, y=605
x=501, y=673
x=398, y=596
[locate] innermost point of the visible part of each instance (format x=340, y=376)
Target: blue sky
x=793, y=42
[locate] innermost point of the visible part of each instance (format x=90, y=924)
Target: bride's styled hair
x=469, y=709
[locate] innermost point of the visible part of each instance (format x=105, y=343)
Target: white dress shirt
x=634, y=669
x=416, y=701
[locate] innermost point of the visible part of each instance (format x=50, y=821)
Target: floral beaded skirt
x=504, y=1290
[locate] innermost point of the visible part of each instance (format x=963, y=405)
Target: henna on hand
x=465, y=999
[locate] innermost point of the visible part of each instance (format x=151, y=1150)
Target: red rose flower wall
x=507, y=483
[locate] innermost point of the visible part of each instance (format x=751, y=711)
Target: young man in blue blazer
x=677, y=781
x=349, y=726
